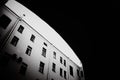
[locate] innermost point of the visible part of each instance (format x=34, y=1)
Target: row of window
x=29, y=49
x=41, y=69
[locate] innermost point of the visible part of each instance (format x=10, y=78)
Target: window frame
x=14, y=41
x=20, y=29
x=44, y=51
x=54, y=55
x=61, y=60
x=65, y=74
x=71, y=71
x=28, y=50
x=64, y=62
x=53, y=67
x=23, y=68
x=61, y=72
x=32, y=38
x=41, y=67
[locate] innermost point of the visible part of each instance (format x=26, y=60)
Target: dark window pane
x=29, y=50
x=20, y=29
x=4, y=21
x=53, y=67
x=14, y=41
x=41, y=68
x=23, y=69
x=32, y=38
x=71, y=70
x=45, y=44
x=61, y=60
x=54, y=55
x=61, y=72
x=44, y=52
x=78, y=72
x=65, y=74
x=81, y=72
x=64, y=62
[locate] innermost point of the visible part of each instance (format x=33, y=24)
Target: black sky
x=75, y=25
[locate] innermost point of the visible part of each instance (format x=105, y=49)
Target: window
x=44, y=52
x=65, y=74
x=61, y=72
x=45, y=44
x=81, y=72
x=54, y=55
x=71, y=70
x=53, y=67
x=14, y=41
x=29, y=50
x=61, y=60
x=64, y=62
x=4, y=21
x=23, y=68
x=20, y=29
x=78, y=72
x=41, y=68
x=32, y=38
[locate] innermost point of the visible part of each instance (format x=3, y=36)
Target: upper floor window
x=23, y=68
x=61, y=71
x=44, y=52
x=45, y=44
x=61, y=60
x=64, y=62
x=20, y=29
x=4, y=21
x=71, y=70
x=41, y=68
x=14, y=41
x=29, y=50
x=32, y=38
x=53, y=67
x=54, y=55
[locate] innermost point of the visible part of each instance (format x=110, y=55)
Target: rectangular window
x=45, y=44
x=53, y=67
x=64, y=62
x=65, y=74
x=54, y=55
x=61, y=72
x=44, y=52
x=23, y=68
x=20, y=29
x=81, y=73
x=41, y=68
x=14, y=41
x=71, y=70
x=78, y=72
x=61, y=60
x=29, y=50
x=32, y=38
x=4, y=21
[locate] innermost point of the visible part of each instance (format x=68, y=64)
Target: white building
x=31, y=50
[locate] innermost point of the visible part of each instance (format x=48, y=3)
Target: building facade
x=31, y=50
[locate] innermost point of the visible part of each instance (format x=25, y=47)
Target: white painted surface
x=44, y=29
